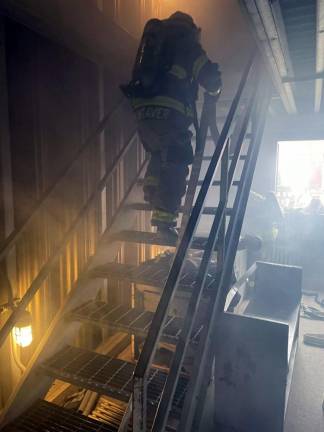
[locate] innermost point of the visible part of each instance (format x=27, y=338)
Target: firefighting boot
x=166, y=224
x=167, y=232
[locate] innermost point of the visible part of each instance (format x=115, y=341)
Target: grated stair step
x=149, y=273
x=45, y=417
x=108, y=376
x=147, y=207
x=208, y=158
x=130, y=320
x=151, y=238
x=217, y=183
x=199, y=183
x=110, y=411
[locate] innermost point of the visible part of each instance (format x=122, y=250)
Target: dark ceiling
x=299, y=18
x=290, y=34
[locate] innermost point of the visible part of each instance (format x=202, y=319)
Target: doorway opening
x=300, y=174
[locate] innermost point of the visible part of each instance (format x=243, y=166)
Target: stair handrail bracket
x=142, y=370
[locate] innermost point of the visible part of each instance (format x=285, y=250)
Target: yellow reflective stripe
x=178, y=71
x=162, y=101
x=151, y=181
x=163, y=216
x=215, y=93
x=198, y=65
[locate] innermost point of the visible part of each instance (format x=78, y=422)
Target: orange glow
x=22, y=332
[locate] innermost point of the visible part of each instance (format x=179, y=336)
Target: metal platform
x=129, y=320
x=109, y=376
x=46, y=417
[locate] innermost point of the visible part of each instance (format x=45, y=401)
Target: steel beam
x=312, y=77
x=319, y=54
x=8, y=271
x=270, y=37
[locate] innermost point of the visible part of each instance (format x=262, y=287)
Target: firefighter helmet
x=183, y=18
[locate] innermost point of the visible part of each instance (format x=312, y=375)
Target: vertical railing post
x=224, y=190
x=223, y=199
x=139, y=404
x=201, y=136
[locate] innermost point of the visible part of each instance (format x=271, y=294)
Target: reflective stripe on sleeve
x=198, y=65
x=178, y=71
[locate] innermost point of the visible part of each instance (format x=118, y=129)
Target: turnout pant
x=165, y=179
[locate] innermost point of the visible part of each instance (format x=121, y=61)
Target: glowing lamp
x=22, y=332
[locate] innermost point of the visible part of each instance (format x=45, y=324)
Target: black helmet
x=183, y=18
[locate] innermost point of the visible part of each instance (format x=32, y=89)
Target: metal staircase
x=151, y=396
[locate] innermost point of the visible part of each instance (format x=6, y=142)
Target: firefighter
x=169, y=67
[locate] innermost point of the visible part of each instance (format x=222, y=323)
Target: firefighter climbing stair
x=116, y=378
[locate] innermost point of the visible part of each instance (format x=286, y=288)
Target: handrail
x=149, y=348
x=217, y=230
x=12, y=239
x=44, y=272
x=194, y=398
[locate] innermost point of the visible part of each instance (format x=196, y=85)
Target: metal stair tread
x=105, y=375
x=130, y=320
x=146, y=275
x=151, y=238
x=146, y=207
x=44, y=416
x=208, y=158
x=215, y=182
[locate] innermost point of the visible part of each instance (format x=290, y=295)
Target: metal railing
x=195, y=397
x=216, y=240
x=89, y=204
x=150, y=345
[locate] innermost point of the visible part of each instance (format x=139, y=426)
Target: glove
x=215, y=79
